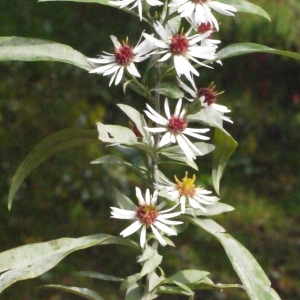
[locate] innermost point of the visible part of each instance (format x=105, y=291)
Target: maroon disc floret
x=124, y=55
x=177, y=125
x=179, y=44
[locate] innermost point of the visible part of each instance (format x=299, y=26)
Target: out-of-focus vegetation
x=67, y=196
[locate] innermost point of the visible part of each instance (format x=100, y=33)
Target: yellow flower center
x=186, y=187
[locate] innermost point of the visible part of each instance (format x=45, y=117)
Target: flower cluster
x=173, y=50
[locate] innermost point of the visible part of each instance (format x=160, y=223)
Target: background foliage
x=67, y=196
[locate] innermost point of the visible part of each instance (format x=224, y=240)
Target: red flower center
x=204, y=27
x=209, y=94
x=177, y=125
x=200, y=1
x=124, y=55
x=147, y=214
x=179, y=44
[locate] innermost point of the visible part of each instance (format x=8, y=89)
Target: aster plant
x=180, y=123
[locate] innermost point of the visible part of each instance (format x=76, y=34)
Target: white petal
x=132, y=228
x=164, y=228
x=143, y=236
x=158, y=236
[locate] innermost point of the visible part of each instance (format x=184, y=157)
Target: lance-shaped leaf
x=225, y=145
x=176, y=153
x=29, y=49
x=100, y=276
x=247, y=7
x=115, y=134
x=169, y=90
x=254, y=279
x=137, y=118
x=190, y=276
x=114, y=161
x=246, y=48
x=49, y=146
x=211, y=210
x=32, y=260
x=83, y=292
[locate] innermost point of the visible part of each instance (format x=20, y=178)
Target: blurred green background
x=66, y=196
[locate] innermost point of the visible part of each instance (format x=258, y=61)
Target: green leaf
x=113, y=160
x=129, y=281
x=211, y=210
x=246, y=48
x=32, y=260
x=29, y=49
x=138, y=88
x=254, y=279
x=225, y=146
x=188, y=276
x=177, y=154
x=207, y=283
x=151, y=263
x=169, y=90
x=123, y=201
x=137, y=118
x=134, y=292
x=247, y=7
x=98, y=275
x=83, y=292
x=115, y=134
x=183, y=288
x=49, y=146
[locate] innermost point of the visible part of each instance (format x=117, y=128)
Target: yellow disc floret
x=186, y=187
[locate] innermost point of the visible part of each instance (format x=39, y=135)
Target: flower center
x=179, y=44
x=209, y=94
x=186, y=187
x=176, y=125
x=147, y=214
x=124, y=55
x=204, y=27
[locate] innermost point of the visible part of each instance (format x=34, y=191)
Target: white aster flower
x=187, y=193
x=202, y=10
x=207, y=96
x=175, y=128
x=148, y=214
x=138, y=4
x=202, y=28
x=182, y=47
x=124, y=57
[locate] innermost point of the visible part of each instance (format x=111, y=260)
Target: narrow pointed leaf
x=188, y=276
x=113, y=160
x=29, y=49
x=115, y=134
x=207, y=283
x=247, y=7
x=151, y=264
x=254, y=279
x=129, y=281
x=98, y=275
x=136, y=118
x=46, y=148
x=32, y=260
x=211, y=210
x=225, y=146
x=246, y=48
x=83, y=292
